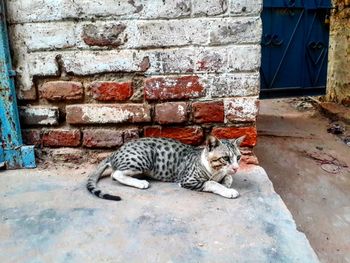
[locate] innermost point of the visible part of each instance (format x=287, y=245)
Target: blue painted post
x=13, y=153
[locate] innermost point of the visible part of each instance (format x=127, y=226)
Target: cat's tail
x=93, y=179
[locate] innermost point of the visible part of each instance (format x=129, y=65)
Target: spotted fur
x=208, y=168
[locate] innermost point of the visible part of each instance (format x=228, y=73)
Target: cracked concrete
x=48, y=216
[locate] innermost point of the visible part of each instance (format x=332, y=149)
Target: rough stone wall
x=338, y=85
x=95, y=74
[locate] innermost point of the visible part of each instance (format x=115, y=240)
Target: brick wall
x=95, y=74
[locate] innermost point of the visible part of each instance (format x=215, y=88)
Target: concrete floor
x=48, y=216
x=318, y=200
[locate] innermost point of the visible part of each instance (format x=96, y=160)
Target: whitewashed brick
x=205, y=59
x=39, y=115
x=92, y=62
x=176, y=33
x=175, y=60
x=30, y=65
x=150, y=43
x=241, y=109
x=234, y=58
x=245, y=7
x=144, y=9
x=168, y=33
x=211, y=59
x=105, y=8
x=244, y=58
x=241, y=30
x=232, y=84
x=47, y=36
x=208, y=7
x=21, y=11
x=141, y=34
x=164, y=9
x=163, y=61
x=42, y=64
x=151, y=34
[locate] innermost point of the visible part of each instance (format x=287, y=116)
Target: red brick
x=69, y=155
x=107, y=113
x=27, y=94
x=171, y=112
x=31, y=137
x=206, y=112
x=188, y=135
x=168, y=88
x=61, y=90
x=145, y=64
x=102, y=138
x=235, y=132
x=111, y=91
x=250, y=159
x=104, y=36
x=59, y=138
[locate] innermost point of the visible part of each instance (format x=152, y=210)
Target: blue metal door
x=294, y=47
x=13, y=154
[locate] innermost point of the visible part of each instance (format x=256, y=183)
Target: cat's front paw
x=142, y=184
x=230, y=193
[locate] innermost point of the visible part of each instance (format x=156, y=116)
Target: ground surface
x=319, y=200
x=48, y=216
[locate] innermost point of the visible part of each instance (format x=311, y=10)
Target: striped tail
x=94, y=177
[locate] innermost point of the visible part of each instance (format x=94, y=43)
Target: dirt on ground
x=309, y=168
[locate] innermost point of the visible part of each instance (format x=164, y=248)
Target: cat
x=207, y=169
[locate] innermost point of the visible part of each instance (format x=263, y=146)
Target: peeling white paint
x=181, y=110
x=241, y=109
x=48, y=115
x=207, y=41
x=106, y=114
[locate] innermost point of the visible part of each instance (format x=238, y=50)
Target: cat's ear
x=239, y=140
x=212, y=142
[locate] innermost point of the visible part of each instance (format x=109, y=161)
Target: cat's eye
x=226, y=158
x=238, y=157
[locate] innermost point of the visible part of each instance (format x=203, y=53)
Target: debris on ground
x=346, y=140
x=328, y=163
x=303, y=103
x=341, y=130
x=336, y=128
x=335, y=112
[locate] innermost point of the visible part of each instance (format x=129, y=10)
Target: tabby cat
x=207, y=169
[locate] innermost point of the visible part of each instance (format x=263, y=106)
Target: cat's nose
x=234, y=169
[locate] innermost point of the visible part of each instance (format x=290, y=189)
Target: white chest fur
x=218, y=177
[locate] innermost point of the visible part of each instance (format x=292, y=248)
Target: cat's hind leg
x=125, y=177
